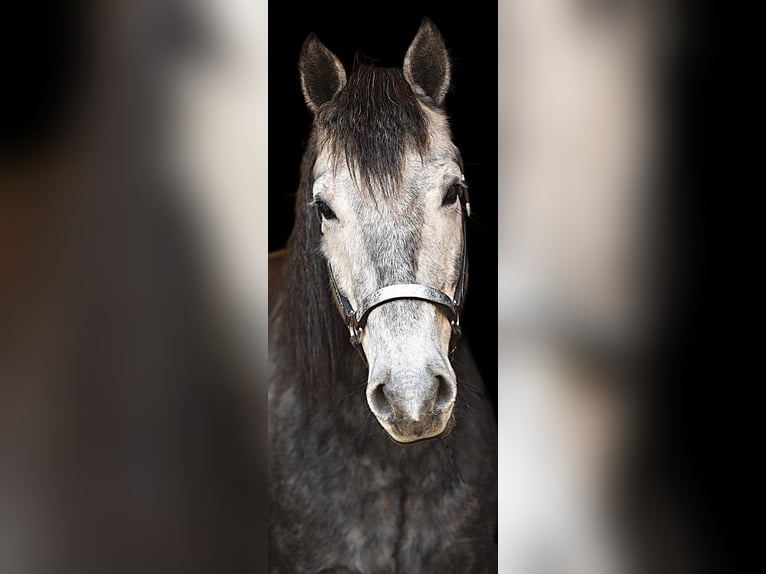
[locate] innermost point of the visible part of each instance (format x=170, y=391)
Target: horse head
x=388, y=188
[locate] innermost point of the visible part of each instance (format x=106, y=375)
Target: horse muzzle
x=413, y=407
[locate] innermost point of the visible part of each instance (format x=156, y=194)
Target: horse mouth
x=405, y=435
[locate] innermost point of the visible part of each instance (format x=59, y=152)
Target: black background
x=384, y=33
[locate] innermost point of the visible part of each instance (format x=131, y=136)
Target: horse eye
x=325, y=209
x=452, y=194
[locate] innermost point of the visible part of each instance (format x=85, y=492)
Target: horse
x=383, y=439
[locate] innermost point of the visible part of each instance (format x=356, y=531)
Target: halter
x=356, y=319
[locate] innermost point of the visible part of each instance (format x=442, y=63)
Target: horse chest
x=386, y=509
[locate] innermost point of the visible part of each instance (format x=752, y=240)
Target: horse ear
x=427, y=65
x=322, y=74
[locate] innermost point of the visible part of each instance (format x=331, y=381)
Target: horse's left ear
x=426, y=64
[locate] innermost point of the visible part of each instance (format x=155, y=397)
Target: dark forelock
x=371, y=123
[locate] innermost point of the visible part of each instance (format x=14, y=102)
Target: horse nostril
x=379, y=403
x=445, y=394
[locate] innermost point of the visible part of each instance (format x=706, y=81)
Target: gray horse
x=383, y=451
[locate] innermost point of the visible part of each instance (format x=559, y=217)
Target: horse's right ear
x=322, y=74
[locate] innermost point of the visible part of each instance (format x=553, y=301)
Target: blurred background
x=132, y=292
x=616, y=445
x=139, y=197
